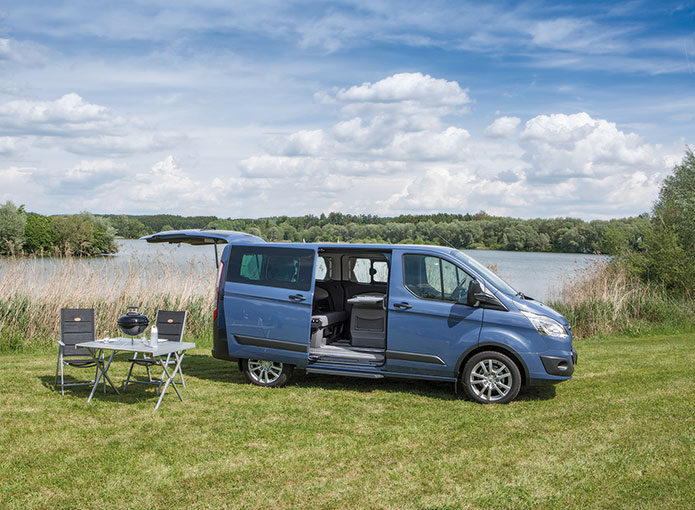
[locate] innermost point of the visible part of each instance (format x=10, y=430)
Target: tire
x=266, y=373
x=491, y=378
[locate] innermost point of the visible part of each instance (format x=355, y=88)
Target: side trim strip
x=415, y=356
x=273, y=344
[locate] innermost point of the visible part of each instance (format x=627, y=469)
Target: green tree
x=12, y=225
x=666, y=253
x=675, y=207
x=104, y=234
x=128, y=227
x=84, y=234
x=39, y=234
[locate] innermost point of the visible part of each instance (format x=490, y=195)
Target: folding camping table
x=158, y=353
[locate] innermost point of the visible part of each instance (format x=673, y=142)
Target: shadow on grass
x=134, y=395
x=206, y=367
x=136, y=392
x=209, y=368
x=540, y=392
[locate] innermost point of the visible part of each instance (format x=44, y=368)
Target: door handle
x=297, y=298
x=403, y=306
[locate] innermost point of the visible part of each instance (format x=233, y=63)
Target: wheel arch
x=496, y=347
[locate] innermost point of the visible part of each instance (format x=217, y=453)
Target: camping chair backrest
x=170, y=325
x=76, y=326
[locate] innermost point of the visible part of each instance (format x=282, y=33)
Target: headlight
x=545, y=325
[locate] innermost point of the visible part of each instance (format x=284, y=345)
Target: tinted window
x=290, y=268
x=430, y=277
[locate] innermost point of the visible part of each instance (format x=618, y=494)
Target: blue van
x=378, y=310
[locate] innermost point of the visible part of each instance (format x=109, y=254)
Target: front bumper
x=559, y=365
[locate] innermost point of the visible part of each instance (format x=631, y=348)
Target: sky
x=266, y=108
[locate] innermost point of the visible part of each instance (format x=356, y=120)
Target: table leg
x=100, y=364
x=106, y=375
x=170, y=378
x=103, y=369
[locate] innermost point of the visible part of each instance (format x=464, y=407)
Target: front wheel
x=491, y=378
x=266, y=373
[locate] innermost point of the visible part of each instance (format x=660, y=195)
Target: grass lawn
x=621, y=434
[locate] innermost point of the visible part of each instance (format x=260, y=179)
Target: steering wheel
x=456, y=293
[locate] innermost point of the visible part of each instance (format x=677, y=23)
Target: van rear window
x=289, y=268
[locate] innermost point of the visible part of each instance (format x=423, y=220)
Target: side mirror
x=476, y=295
x=474, y=289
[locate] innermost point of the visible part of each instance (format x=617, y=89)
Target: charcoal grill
x=133, y=322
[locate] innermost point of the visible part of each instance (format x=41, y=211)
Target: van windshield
x=486, y=273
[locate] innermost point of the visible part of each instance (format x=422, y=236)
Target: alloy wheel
x=491, y=380
x=263, y=371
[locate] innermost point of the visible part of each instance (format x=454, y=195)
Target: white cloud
x=403, y=87
x=304, y=143
x=503, y=127
x=384, y=162
x=563, y=146
x=74, y=125
x=398, y=117
x=87, y=177
x=24, y=53
x=397, y=145
x=67, y=116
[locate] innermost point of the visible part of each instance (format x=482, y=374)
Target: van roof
x=362, y=246
x=203, y=236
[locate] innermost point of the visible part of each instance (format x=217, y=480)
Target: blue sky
x=527, y=109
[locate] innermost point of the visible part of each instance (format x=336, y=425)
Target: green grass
x=621, y=434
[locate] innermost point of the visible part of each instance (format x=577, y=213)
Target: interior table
x=158, y=353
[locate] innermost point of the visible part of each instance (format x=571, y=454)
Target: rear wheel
x=266, y=373
x=491, y=378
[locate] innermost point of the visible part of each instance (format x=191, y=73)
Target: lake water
x=539, y=275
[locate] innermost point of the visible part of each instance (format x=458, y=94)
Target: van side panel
x=269, y=318
x=430, y=335
x=263, y=323
x=513, y=331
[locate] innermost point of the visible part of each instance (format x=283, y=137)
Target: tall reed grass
x=607, y=299
x=33, y=291
x=604, y=299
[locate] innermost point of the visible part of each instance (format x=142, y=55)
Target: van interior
x=348, y=322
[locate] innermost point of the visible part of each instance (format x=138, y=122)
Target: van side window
x=430, y=277
x=382, y=271
x=324, y=269
x=364, y=270
x=289, y=268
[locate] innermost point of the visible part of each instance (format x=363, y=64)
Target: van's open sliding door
x=268, y=294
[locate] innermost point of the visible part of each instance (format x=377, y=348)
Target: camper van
x=375, y=311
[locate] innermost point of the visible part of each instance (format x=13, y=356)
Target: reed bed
x=32, y=292
x=606, y=299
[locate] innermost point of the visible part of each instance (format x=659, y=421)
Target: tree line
x=86, y=234
x=24, y=233
x=465, y=231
